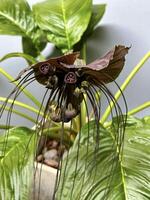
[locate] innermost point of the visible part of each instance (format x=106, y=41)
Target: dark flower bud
x=55, y=115
x=85, y=85
x=70, y=113
x=52, y=82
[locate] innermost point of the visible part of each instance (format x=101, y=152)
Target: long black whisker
x=119, y=121
x=126, y=111
x=96, y=136
x=65, y=167
x=77, y=159
x=118, y=111
x=42, y=103
x=45, y=115
x=14, y=90
x=10, y=111
x=87, y=145
x=126, y=107
x=61, y=98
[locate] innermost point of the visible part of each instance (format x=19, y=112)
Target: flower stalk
x=139, y=108
x=25, y=91
x=124, y=85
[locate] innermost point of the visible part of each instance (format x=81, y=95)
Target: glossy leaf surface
x=64, y=21
x=16, y=165
x=27, y=57
x=109, y=177
x=15, y=17
x=98, y=11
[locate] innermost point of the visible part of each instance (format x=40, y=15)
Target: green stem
x=5, y=127
x=83, y=106
x=83, y=52
x=20, y=114
x=26, y=92
x=97, y=97
x=27, y=57
x=22, y=105
x=124, y=85
x=18, y=103
x=41, y=57
x=139, y=108
x=75, y=124
x=132, y=112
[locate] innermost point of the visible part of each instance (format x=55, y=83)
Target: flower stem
x=25, y=106
x=139, y=108
x=26, y=92
x=18, y=103
x=41, y=57
x=27, y=57
x=5, y=126
x=20, y=114
x=124, y=85
x=132, y=112
x=83, y=106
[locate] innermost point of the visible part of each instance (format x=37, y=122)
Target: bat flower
x=68, y=80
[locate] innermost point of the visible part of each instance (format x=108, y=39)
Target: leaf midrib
x=65, y=23
x=12, y=149
x=123, y=180
x=121, y=168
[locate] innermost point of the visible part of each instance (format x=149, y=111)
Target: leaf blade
x=16, y=165
x=131, y=175
x=27, y=57
x=15, y=18
x=64, y=20
x=98, y=11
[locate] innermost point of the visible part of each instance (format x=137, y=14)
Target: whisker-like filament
x=118, y=112
x=119, y=131
x=119, y=118
x=77, y=161
x=96, y=133
x=62, y=178
x=10, y=110
x=116, y=141
x=61, y=98
x=87, y=145
x=14, y=90
x=39, y=130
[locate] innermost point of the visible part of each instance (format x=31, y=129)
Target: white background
x=125, y=22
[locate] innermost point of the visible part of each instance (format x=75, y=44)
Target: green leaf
x=27, y=57
x=98, y=11
x=136, y=159
x=15, y=18
x=35, y=44
x=16, y=165
x=29, y=47
x=103, y=175
x=65, y=21
x=39, y=38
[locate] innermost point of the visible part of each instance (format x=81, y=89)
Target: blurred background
x=125, y=22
